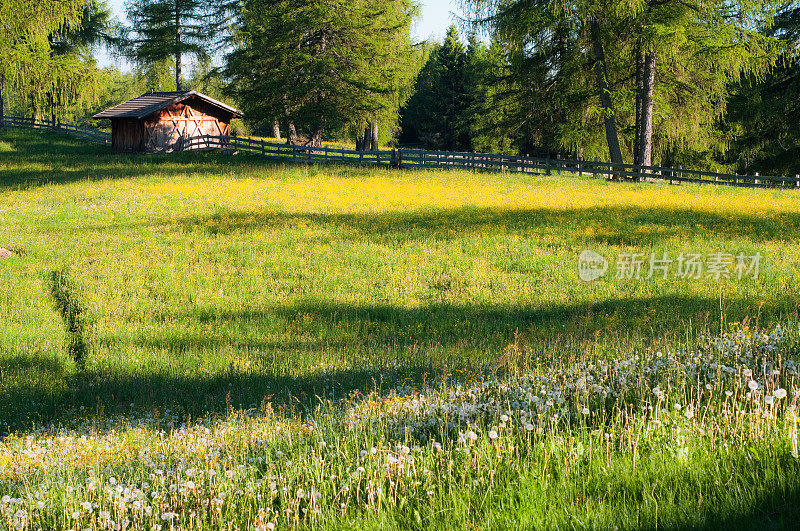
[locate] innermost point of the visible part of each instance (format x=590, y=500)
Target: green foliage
x=239, y=311
x=436, y=115
x=700, y=48
x=169, y=30
x=763, y=114
x=320, y=66
x=490, y=115
x=30, y=66
x=72, y=84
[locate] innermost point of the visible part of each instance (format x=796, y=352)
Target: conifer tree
x=489, y=117
x=174, y=30
x=762, y=115
x=320, y=65
x=26, y=58
x=74, y=45
x=435, y=115
x=683, y=56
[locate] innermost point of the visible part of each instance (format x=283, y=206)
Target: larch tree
x=762, y=115
x=26, y=57
x=175, y=30
x=320, y=66
x=657, y=69
x=73, y=45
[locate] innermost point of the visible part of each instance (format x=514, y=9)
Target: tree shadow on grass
x=99, y=395
x=777, y=509
x=67, y=160
x=384, y=345
x=448, y=325
x=609, y=225
x=760, y=504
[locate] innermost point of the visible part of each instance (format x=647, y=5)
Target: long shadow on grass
x=611, y=225
x=360, y=347
x=777, y=509
x=99, y=395
x=68, y=160
x=333, y=327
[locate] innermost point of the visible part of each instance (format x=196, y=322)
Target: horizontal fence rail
x=290, y=151
x=87, y=133
x=425, y=159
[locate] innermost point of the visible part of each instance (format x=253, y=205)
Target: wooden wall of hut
x=127, y=134
x=170, y=128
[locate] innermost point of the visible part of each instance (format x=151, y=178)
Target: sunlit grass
x=212, y=284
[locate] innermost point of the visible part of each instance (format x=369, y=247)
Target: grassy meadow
x=288, y=346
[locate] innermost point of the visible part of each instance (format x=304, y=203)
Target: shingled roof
x=151, y=102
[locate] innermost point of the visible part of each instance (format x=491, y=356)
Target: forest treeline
x=699, y=83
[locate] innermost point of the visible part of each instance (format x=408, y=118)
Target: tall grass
x=68, y=305
x=237, y=314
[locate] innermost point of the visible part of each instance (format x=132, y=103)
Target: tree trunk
x=2, y=102
x=276, y=130
x=292, y=138
x=375, y=142
x=178, y=74
x=612, y=137
x=53, y=108
x=645, y=126
x=638, y=120
x=367, y=134
x=316, y=140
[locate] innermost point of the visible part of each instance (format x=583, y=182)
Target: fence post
x=756, y=181
x=547, y=165
x=558, y=164
x=797, y=180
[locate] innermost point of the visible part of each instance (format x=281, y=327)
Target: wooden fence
x=291, y=152
x=425, y=159
x=87, y=133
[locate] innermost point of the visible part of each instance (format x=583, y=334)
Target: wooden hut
x=166, y=121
